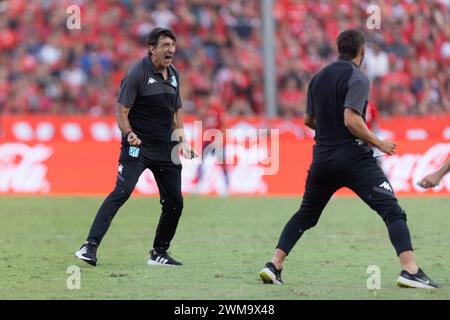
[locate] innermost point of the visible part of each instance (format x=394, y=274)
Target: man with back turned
x=336, y=107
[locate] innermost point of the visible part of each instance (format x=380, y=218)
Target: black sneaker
x=417, y=280
x=162, y=259
x=270, y=274
x=88, y=253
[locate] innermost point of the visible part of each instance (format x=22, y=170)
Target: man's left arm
x=180, y=136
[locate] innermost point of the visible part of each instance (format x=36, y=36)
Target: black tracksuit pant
x=168, y=178
x=351, y=166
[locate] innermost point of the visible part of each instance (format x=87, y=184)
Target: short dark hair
x=349, y=42
x=155, y=34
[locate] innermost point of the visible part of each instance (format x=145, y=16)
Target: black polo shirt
x=337, y=86
x=153, y=101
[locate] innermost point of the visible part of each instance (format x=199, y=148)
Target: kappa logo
x=120, y=168
x=151, y=80
x=386, y=185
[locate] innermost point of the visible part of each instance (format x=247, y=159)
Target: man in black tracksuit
x=336, y=107
x=150, y=119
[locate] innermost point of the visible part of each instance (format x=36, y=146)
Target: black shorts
x=156, y=157
x=350, y=166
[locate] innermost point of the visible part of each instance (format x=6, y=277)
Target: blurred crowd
x=47, y=68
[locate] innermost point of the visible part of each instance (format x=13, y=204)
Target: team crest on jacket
x=174, y=81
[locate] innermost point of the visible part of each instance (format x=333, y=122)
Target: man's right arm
x=356, y=125
x=125, y=127
x=355, y=101
x=434, y=178
x=129, y=88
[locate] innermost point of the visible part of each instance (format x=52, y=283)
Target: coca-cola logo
x=22, y=169
x=404, y=171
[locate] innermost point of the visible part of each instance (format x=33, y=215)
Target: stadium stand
x=47, y=68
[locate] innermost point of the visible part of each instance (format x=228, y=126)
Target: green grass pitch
x=223, y=243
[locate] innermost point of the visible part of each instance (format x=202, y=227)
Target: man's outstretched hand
x=430, y=181
x=187, y=151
